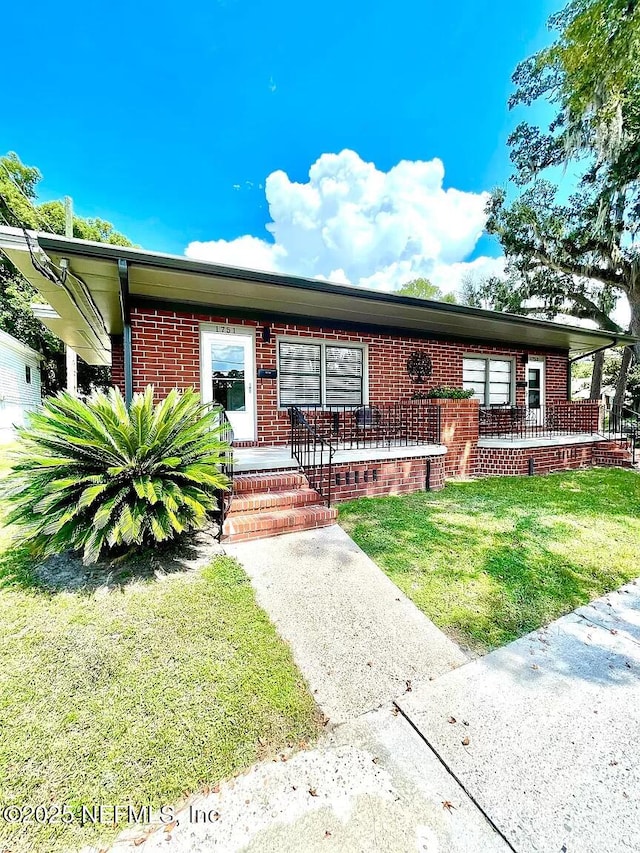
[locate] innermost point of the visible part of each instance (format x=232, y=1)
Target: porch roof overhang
x=80, y=282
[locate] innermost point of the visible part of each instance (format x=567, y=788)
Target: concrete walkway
x=534, y=747
x=553, y=728
x=356, y=638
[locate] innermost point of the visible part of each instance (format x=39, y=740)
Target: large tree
x=18, y=207
x=422, y=288
x=579, y=254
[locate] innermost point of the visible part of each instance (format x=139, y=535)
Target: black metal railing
x=313, y=452
x=226, y=467
x=376, y=426
x=554, y=419
x=623, y=424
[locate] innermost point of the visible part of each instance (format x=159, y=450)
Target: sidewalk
x=553, y=728
x=370, y=786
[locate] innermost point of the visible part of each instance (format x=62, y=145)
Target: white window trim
x=325, y=342
x=487, y=358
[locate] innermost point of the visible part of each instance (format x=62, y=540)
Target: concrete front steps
x=269, y=504
x=612, y=454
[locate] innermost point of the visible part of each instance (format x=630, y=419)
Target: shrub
x=97, y=475
x=443, y=392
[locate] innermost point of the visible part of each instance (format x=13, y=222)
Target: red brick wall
x=459, y=432
x=497, y=461
x=376, y=478
x=117, y=363
x=166, y=354
x=580, y=415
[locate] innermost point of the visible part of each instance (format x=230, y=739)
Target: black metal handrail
x=313, y=452
x=622, y=424
x=520, y=422
x=399, y=424
x=226, y=496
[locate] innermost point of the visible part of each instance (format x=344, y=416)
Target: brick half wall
x=380, y=477
x=504, y=461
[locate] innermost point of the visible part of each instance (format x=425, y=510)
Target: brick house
x=325, y=386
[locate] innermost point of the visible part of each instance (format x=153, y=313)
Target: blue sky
x=167, y=119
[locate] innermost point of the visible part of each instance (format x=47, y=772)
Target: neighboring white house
x=581, y=390
x=20, y=386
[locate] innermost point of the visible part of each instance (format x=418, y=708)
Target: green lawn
x=492, y=559
x=137, y=695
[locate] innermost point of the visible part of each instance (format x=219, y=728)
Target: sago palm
x=100, y=475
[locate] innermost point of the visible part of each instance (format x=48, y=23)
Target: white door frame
x=220, y=331
x=538, y=362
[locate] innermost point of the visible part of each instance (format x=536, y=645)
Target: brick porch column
x=459, y=432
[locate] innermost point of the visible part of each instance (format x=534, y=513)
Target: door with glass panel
x=535, y=391
x=227, y=379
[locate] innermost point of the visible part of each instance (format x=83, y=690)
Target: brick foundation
x=500, y=461
x=377, y=478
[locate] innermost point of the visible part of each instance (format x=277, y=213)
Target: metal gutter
x=614, y=343
x=125, y=305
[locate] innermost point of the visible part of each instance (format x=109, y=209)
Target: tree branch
x=582, y=270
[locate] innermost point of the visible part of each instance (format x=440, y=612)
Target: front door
x=535, y=390
x=227, y=378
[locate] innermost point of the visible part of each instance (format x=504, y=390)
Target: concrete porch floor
x=277, y=457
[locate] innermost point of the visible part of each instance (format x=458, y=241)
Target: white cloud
x=352, y=223
x=448, y=276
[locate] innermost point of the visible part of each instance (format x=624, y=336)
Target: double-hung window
x=490, y=379
x=318, y=373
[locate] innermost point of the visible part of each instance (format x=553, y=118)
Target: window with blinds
x=343, y=376
x=299, y=374
x=318, y=374
x=490, y=379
